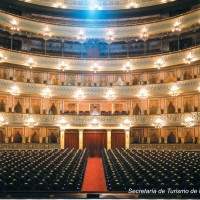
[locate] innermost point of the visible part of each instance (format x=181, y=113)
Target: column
x=127, y=138
x=108, y=139
x=80, y=138
x=62, y=138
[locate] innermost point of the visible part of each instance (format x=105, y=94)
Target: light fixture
x=2, y=121
x=144, y=35
x=110, y=95
x=96, y=7
x=31, y=123
x=176, y=27
x=31, y=63
x=143, y=93
x=63, y=124
x=79, y=95
x=81, y=37
x=159, y=123
x=127, y=66
x=15, y=91
x=132, y=5
x=63, y=66
x=46, y=33
x=174, y=91
x=110, y=37
x=95, y=67
x=59, y=5
x=94, y=122
x=14, y=26
x=188, y=59
x=2, y=58
x=159, y=63
x=46, y=93
x=188, y=122
x=127, y=123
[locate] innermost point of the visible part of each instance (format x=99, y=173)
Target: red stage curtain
x=71, y=139
x=117, y=139
x=95, y=141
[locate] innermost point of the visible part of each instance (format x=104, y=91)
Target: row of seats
x=45, y=170
x=151, y=169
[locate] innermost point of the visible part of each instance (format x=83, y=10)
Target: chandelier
x=63, y=124
x=63, y=66
x=81, y=37
x=159, y=63
x=96, y=68
x=188, y=122
x=159, y=123
x=79, y=95
x=110, y=37
x=143, y=94
x=2, y=58
x=176, y=27
x=31, y=123
x=2, y=121
x=46, y=33
x=94, y=122
x=110, y=95
x=127, y=66
x=14, y=28
x=31, y=63
x=15, y=91
x=174, y=90
x=144, y=35
x=46, y=93
x=188, y=59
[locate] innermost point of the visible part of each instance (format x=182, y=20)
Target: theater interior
x=100, y=99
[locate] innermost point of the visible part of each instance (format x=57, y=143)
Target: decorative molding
x=109, y=122
x=35, y=27
x=99, y=92
x=139, y=63
x=105, y=4
x=16, y=146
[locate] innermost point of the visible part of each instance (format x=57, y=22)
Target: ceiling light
x=174, y=91
x=31, y=123
x=176, y=27
x=188, y=59
x=46, y=93
x=79, y=95
x=15, y=91
x=188, y=122
x=2, y=58
x=110, y=95
x=143, y=94
x=127, y=66
x=159, y=63
x=2, y=121
x=63, y=124
x=95, y=67
x=31, y=63
x=81, y=37
x=110, y=37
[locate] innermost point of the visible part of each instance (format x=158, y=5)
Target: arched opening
x=17, y=138
x=171, y=138
x=188, y=137
x=35, y=138
x=171, y=109
x=18, y=108
x=53, y=109
x=2, y=106
x=137, y=110
x=52, y=138
x=2, y=138
x=154, y=138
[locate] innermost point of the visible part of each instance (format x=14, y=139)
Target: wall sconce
x=110, y=95
x=127, y=66
x=143, y=93
x=31, y=123
x=176, y=27
x=110, y=37
x=188, y=59
x=46, y=93
x=15, y=91
x=159, y=63
x=81, y=37
x=174, y=91
x=79, y=94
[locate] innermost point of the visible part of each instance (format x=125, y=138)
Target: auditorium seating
x=42, y=170
x=148, y=169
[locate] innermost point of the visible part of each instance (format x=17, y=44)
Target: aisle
x=94, y=180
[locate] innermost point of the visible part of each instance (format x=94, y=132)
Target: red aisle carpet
x=94, y=180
